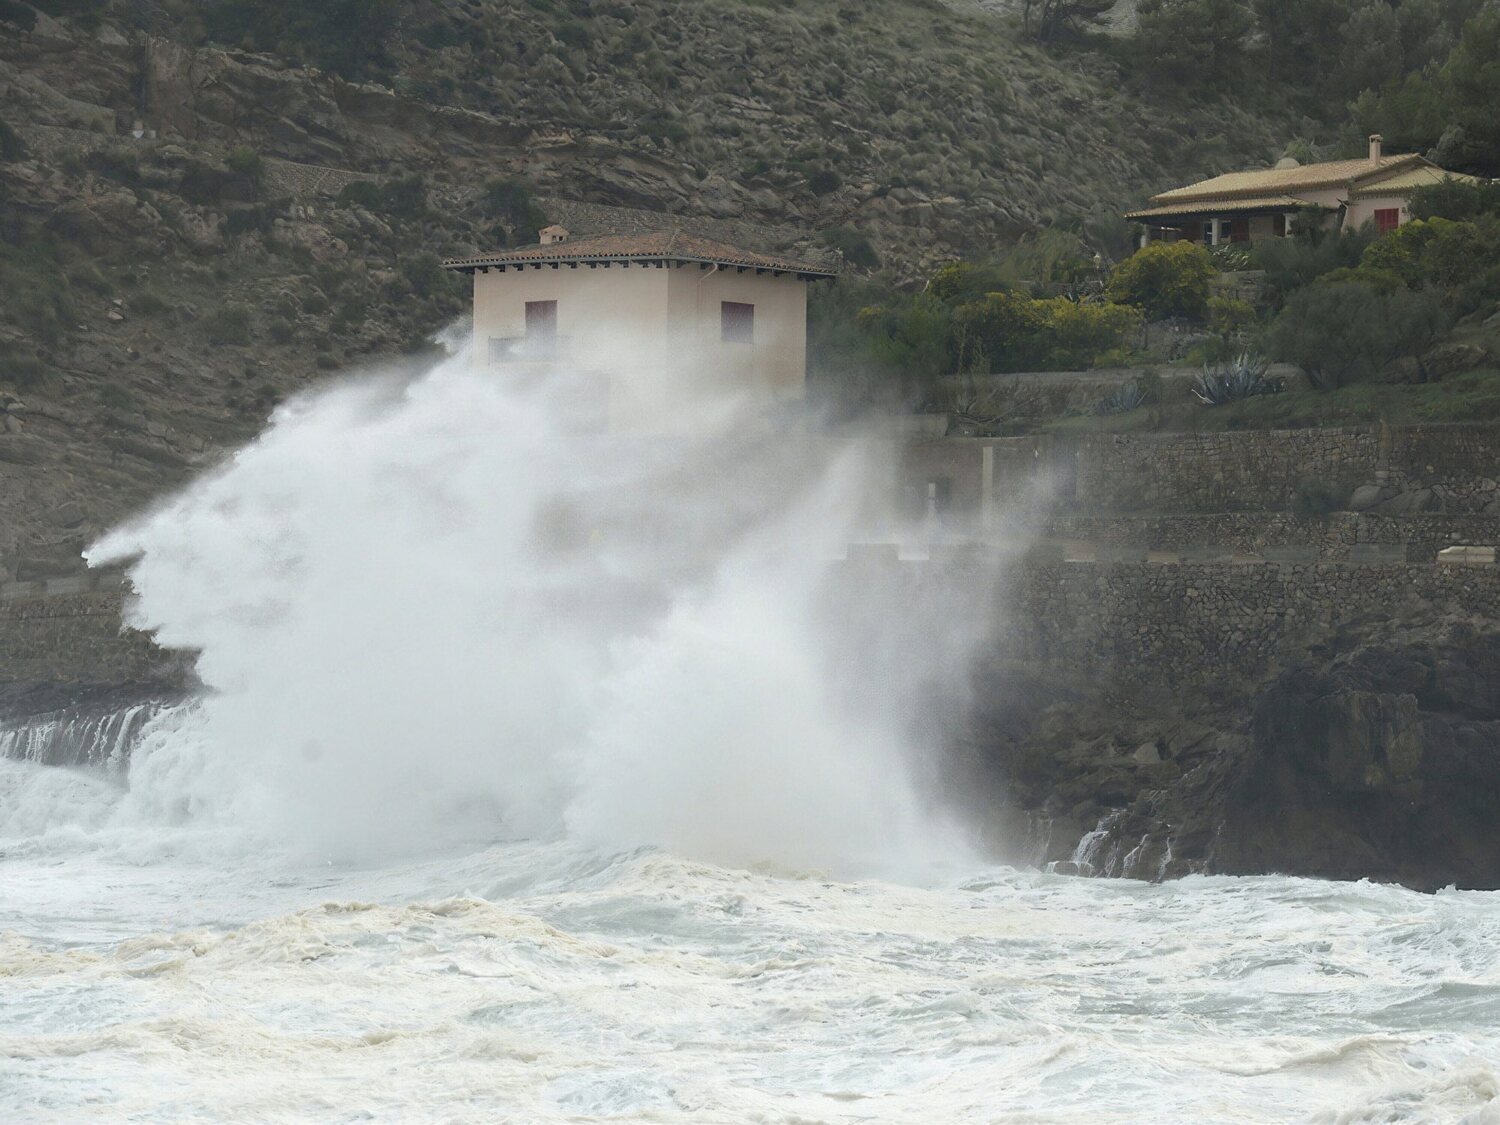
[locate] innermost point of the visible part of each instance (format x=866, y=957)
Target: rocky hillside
x=190, y=230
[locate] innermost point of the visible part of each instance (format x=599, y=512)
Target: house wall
x=1362, y=211
x=775, y=364
x=654, y=331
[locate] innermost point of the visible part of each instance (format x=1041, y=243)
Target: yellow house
x=1249, y=206
x=657, y=317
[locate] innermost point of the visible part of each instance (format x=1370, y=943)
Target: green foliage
x=147, y=303
x=228, y=324
x=1239, y=378
x=246, y=162
x=347, y=37
x=425, y=275
x=960, y=282
x=1292, y=263
x=21, y=15
x=824, y=181
x=20, y=367
x=1345, y=331
x=1164, y=279
x=1460, y=258
x=39, y=297
x=1230, y=320
x=403, y=197
x=1450, y=109
x=1011, y=331
x=1196, y=42
x=1456, y=199
x=513, y=206
x=12, y=147
x=1049, y=20
x=854, y=245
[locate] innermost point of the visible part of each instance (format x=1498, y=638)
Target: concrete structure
x=1250, y=206
x=644, y=322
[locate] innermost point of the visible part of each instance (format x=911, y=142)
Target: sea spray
x=433, y=609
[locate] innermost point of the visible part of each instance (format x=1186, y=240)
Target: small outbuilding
x=658, y=314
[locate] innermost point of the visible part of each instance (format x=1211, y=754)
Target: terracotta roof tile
x=670, y=246
x=1223, y=207
x=1404, y=183
x=1269, y=181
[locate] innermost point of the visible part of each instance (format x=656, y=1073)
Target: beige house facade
x=1250, y=206
x=654, y=320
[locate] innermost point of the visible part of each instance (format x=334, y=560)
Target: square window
x=1387, y=219
x=737, y=322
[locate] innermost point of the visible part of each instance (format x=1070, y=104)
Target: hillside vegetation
x=206, y=205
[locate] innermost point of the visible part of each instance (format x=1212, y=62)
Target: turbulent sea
x=160, y=974
x=539, y=776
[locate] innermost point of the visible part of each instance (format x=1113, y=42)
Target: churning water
x=543, y=776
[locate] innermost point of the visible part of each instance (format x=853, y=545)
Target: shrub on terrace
x=1164, y=279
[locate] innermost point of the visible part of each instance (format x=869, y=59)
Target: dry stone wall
x=79, y=638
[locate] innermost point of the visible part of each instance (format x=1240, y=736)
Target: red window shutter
x=1239, y=230
x=737, y=321
x=1387, y=219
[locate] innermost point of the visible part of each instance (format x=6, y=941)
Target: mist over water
x=543, y=775
x=438, y=608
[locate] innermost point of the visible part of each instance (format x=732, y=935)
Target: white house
x=1250, y=206
x=656, y=317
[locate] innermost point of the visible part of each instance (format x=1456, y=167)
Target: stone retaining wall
x=78, y=638
x=1183, y=625
x=1391, y=470
x=1340, y=536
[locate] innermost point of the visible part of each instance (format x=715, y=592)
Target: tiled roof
x=658, y=246
x=1224, y=207
x=1404, y=183
x=1275, y=181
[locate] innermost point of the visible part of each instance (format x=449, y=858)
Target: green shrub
x=114, y=397
x=12, y=147
x=1297, y=261
x=511, y=203
x=147, y=303
x=245, y=161
x=21, y=367
x=1344, y=331
x=1454, y=199
x=855, y=247
x=347, y=37
x=21, y=15
x=229, y=325
x=824, y=181
x=363, y=193
x=1164, y=279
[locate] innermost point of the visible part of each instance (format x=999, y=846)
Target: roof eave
x=470, y=265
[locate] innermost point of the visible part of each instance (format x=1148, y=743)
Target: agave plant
x=1122, y=400
x=1242, y=377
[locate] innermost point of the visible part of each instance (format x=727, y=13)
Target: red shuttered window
x=1387, y=218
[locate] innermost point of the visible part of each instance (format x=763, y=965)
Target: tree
x=1342, y=331
x=1369, y=53
x=1049, y=20
x=1456, y=199
x=1164, y=279
x=1193, y=41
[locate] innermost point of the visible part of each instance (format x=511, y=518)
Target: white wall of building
x=654, y=331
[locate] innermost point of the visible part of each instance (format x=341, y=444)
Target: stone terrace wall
x=1198, y=623
x=1221, y=472
x=1451, y=468
x=1337, y=537
x=78, y=638
x=1183, y=625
